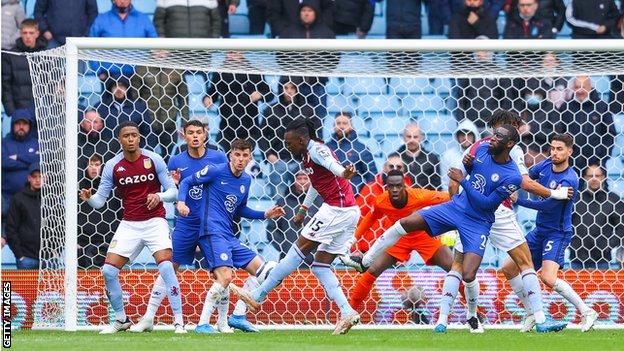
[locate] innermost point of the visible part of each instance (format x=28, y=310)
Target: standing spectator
x=465, y=135
x=492, y=7
x=16, y=82
x=350, y=150
x=281, y=232
x=353, y=16
x=94, y=139
x=20, y=149
x=423, y=167
x=552, y=11
x=403, y=19
x=592, y=19
x=227, y=8
x=616, y=95
x=23, y=223
x=120, y=104
x=525, y=24
x=289, y=106
x=439, y=14
x=472, y=21
x=597, y=222
x=239, y=95
x=196, y=19
x=12, y=15
x=283, y=14
x=122, y=21
x=587, y=118
x=257, y=14
x=59, y=19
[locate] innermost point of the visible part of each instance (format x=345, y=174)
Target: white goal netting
x=417, y=110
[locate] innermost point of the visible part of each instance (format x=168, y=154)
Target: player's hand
x=183, y=210
x=455, y=174
x=349, y=172
x=231, y=9
x=176, y=176
x=255, y=96
x=207, y=101
x=468, y=159
x=601, y=29
x=472, y=18
x=298, y=219
x=85, y=194
x=513, y=197
x=152, y=201
x=562, y=193
x=274, y=212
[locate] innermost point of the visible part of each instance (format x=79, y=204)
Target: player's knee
x=110, y=272
x=224, y=277
x=548, y=280
x=510, y=269
x=469, y=275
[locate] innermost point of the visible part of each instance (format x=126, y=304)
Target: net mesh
x=254, y=94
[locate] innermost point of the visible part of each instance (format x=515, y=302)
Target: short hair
x=194, y=123
x=347, y=114
x=302, y=126
x=241, y=144
x=391, y=173
x=501, y=116
x=95, y=158
x=393, y=155
x=564, y=138
x=29, y=23
x=597, y=165
x=513, y=132
x=125, y=124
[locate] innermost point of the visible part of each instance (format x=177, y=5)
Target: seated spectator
x=12, y=15
x=20, y=149
x=16, y=82
x=525, y=24
x=282, y=14
x=466, y=134
x=472, y=21
x=239, y=94
x=597, y=222
x=368, y=195
x=59, y=19
x=122, y=21
x=289, y=105
x=353, y=16
x=423, y=166
x=587, y=118
x=282, y=232
x=94, y=139
x=23, y=222
x=592, y=19
x=538, y=112
x=350, y=150
x=552, y=11
x=120, y=104
x=95, y=227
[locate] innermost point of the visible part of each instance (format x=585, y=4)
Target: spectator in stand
x=282, y=232
x=492, y=7
x=552, y=11
x=227, y=8
x=283, y=14
x=525, y=24
x=12, y=15
x=597, y=222
x=94, y=139
x=196, y=19
x=289, y=105
x=350, y=150
x=59, y=19
x=16, y=82
x=240, y=95
x=466, y=134
x=592, y=19
x=122, y=21
x=20, y=149
x=538, y=112
x=310, y=26
x=120, y=104
x=23, y=222
x=616, y=97
x=439, y=14
x=473, y=21
x=423, y=166
x=257, y=14
x=353, y=16
x=403, y=19
x=535, y=154
x=587, y=118
x=368, y=195
x=95, y=227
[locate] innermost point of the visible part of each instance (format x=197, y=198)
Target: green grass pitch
x=356, y=340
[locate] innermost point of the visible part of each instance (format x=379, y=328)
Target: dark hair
x=95, y=157
x=564, y=138
x=513, y=132
x=500, y=117
x=302, y=126
x=392, y=173
x=194, y=123
x=241, y=144
x=595, y=164
x=125, y=124
x=347, y=114
x=29, y=23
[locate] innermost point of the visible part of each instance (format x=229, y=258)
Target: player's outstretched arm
x=546, y=204
x=534, y=187
x=205, y=175
x=321, y=155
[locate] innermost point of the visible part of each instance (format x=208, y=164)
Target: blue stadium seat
x=337, y=103
x=147, y=7
x=364, y=85
x=617, y=186
x=196, y=104
x=334, y=86
x=239, y=24
x=196, y=83
x=526, y=218
x=258, y=188
x=602, y=85
x=372, y=106
x=423, y=103
x=490, y=257
x=8, y=258
x=89, y=84
x=6, y=124
x=410, y=86
x=372, y=145
x=214, y=119
x=437, y=124
x=242, y=8
x=391, y=144
x=384, y=127
x=378, y=27
x=618, y=121
x=273, y=82
x=442, y=86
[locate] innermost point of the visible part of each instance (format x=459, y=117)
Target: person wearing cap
x=20, y=148
x=23, y=222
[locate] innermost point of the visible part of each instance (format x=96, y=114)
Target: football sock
x=284, y=267
x=212, y=298
x=113, y=290
x=534, y=294
x=389, y=237
x=168, y=274
x=449, y=293
x=564, y=289
x=518, y=287
x=251, y=283
x=159, y=291
x=330, y=283
x=362, y=288
x=223, y=305
x=472, y=297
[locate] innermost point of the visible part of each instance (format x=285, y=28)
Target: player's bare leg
x=159, y=291
x=365, y=282
x=470, y=266
x=549, y=278
x=168, y=273
x=110, y=271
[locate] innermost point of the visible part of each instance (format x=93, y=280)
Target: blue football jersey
x=493, y=181
x=188, y=165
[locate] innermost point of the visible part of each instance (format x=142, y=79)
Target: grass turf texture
x=356, y=340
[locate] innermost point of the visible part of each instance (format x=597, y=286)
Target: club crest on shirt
x=242, y=189
x=147, y=163
x=553, y=184
x=495, y=177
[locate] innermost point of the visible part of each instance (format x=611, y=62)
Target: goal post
x=384, y=84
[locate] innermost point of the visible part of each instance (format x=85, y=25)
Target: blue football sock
x=168, y=274
x=113, y=290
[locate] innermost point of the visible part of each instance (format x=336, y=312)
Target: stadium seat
x=617, y=186
x=239, y=24
x=375, y=106
x=372, y=145
x=490, y=257
x=383, y=127
x=526, y=219
x=257, y=189
x=410, y=86
x=390, y=145
x=615, y=167
x=8, y=258
x=422, y=103
x=88, y=84
x=602, y=85
x=618, y=121
x=439, y=142
x=437, y=124
x=364, y=86
x=147, y=7
x=196, y=104
x=442, y=86
x=196, y=83
x=334, y=86
x=378, y=27
x=241, y=9
x=337, y=103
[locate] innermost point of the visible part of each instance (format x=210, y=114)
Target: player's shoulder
x=572, y=177
x=177, y=159
x=216, y=155
x=114, y=161
x=151, y=154
x=382, y=200
x=481, y=143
